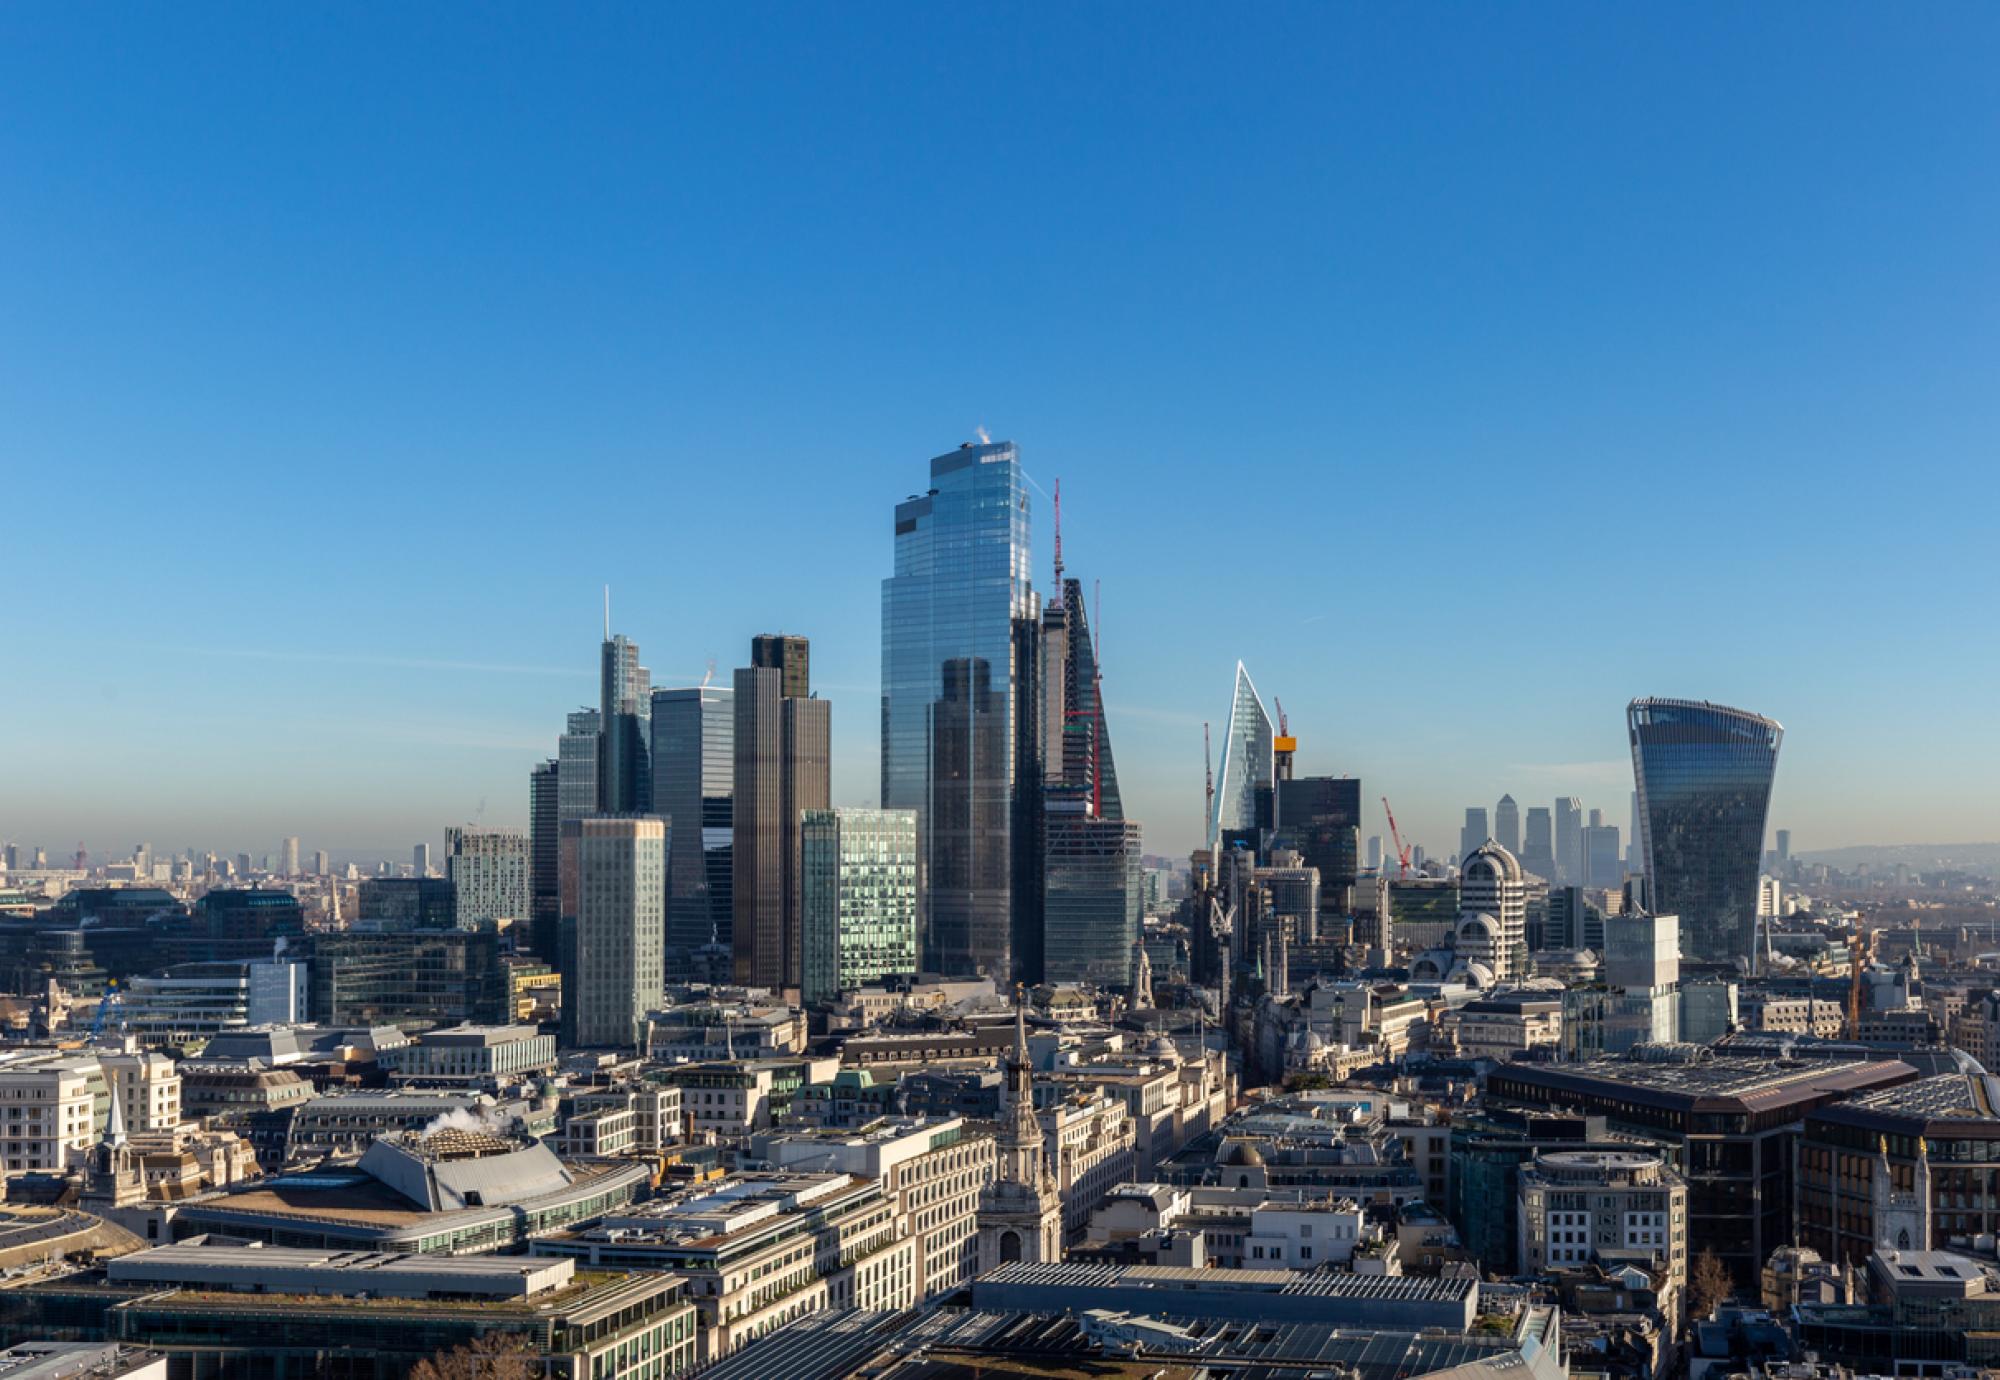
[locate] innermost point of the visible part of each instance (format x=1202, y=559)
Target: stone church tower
x=1020, y=1212
x=1903, y=1220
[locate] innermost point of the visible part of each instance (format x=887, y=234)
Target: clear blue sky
x=1465, y=369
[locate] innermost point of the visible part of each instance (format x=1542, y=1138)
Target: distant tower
x=1569, y=841
x=1473, y=834
x=1020, y=1211
x=1507, y=825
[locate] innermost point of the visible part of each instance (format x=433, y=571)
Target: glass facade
x=694, y=765
x=1246, y=761
x=950, y=682
x=576, y=765
x=624, y=779
x=1092, y=893
x=860, y=899
x=1704, y=774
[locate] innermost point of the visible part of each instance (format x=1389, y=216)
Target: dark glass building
x=1320, y=817
x=951, y=679
x=624, y=780
x=416, y=978
x=544, y=848
x=407, y=903
x=1704, y=774
x=694, y=785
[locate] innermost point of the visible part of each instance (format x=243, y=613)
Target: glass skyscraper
x=951, y=683
x=1704, y=774
x=694, y=769
x=623, y=780
x=1246, y=761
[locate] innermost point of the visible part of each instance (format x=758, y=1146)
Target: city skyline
x=350, y=481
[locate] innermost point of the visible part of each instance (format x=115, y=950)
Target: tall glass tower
x=951, y=681
x=1246, y=761
x=694, y=767
x=1704, y=774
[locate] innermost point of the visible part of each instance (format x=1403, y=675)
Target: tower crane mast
x=1396, y=838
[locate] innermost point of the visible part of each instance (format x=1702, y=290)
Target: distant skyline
x=1466, y=374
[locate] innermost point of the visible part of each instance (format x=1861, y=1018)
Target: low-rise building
x=758, y=1251
x=476, y=1054
x=229, y=1309
x=1607, y=1207
x=932, y=1170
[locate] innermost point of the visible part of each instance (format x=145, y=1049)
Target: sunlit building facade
x=951, y=680
x=860, y=921
x=1246, y=760
x=1704, y=773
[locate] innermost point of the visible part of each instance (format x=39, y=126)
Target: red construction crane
x=1396, y=837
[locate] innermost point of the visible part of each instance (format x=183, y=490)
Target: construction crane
x=1055, y=502
x=1396, y=837
x=1860, y=945
x=1208, y=774
x=114, y=1000
x=1284, y=745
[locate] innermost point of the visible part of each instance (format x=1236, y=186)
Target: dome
x=1472, y=974
x=1241, y=1154
x=1490, y=862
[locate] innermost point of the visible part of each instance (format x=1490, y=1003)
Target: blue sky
x=1466, y=370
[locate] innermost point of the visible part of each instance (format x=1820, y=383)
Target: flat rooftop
x=257, y=1269
x=1748, y=1084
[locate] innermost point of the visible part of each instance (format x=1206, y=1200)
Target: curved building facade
x=1704, y=773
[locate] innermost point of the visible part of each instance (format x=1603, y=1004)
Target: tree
x=489, y=1356
x=1709, y=1284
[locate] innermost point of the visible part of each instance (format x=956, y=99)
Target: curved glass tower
x=1704, y=774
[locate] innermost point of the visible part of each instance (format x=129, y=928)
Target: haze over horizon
x=1465, y=379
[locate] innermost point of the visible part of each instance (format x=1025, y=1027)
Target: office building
x=412, y=979
x=406, y=903
x=188, y=1003
x=1642, y=971
x=420, y=860
x=1569, y=841
x=1319, y=818
x=784, y=745
x=1907, y=1169
x=488, y=871
x=1704, y=774
x=952, y=681
x=1613, y=1207
x=289, y=857
x=1374, y=852
x=860, y=899
x=1091, y=893
x=1493, y=912
x=624, y=779
x=1507, y=825
x=789, y=654
x=1538, y=848
x=1603, y=863
x=614, y=904
x=932, y=1168
x=694, y=790
x=577, y=753
x=1729, y=1121
x=544, y=859
x=322, y=865
x=1474, y=833
x=1784, y=841
x=1247, y=765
